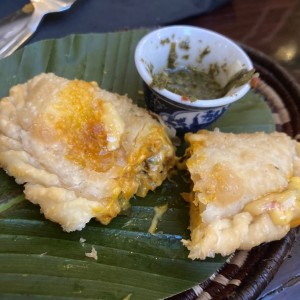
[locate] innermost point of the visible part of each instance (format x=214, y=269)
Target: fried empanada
x=81, y=151
x=246, y=190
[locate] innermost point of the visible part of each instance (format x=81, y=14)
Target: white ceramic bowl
x=151, y=57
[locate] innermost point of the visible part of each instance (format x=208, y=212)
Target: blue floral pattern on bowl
x=182, y=117
x=185, y=121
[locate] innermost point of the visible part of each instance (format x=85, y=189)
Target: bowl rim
x=204, y=103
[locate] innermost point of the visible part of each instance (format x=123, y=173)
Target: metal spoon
x=16, y=28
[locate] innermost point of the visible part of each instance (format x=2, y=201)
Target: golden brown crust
x=81, y=151
x=230, y=170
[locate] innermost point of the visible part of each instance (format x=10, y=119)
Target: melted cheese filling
x=283, y=207
x=158, y=213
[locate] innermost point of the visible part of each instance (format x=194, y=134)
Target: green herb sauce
x=190, y=83
x=160, y=80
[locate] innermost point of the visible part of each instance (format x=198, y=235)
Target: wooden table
x=273, y=27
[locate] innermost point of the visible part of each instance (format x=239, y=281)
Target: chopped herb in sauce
x=150, y=68
x=203, y=54
x=193, y=84
x=185, y=45
x=224, y=67
x=214, y=69
x=160, y=80
x=240, y=78
x=165, y=41
x=172, y=56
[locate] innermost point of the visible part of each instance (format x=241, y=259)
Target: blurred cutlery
x=16, y=28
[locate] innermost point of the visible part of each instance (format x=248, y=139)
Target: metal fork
x=16, y=28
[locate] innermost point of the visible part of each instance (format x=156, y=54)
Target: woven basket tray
x=246, y=273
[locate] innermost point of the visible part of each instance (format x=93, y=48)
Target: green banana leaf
x=40, y=261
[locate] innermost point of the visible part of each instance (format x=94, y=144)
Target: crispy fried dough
x=81, y=151
x=231, y=171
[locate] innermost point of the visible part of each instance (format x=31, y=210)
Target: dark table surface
x=271, y=26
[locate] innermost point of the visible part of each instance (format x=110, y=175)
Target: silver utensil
x=16, y=28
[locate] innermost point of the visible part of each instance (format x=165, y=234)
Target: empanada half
x=81, y=151
x=246, y=190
